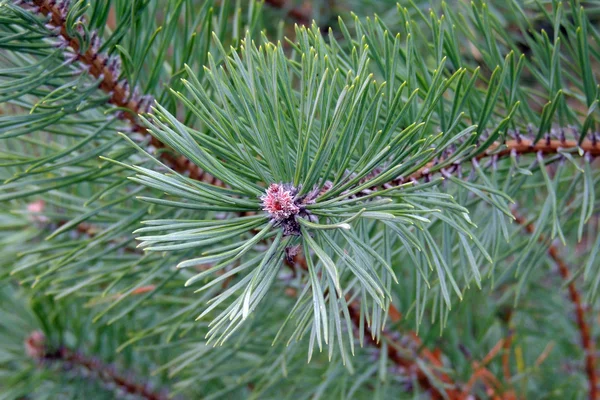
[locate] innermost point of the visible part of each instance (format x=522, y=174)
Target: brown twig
x=519, y=146
x=36, y=347
x=482, y=373
x=102, y=67
x=409, y=364
x=584, y=329
x=506, y=358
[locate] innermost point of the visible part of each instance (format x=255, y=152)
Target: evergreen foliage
x=200, y=196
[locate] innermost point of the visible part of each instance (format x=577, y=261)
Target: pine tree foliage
x=407, y=200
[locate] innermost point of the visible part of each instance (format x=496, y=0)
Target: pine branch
x=101, y=66
x=484, y=375
x=406, y=363
x=584, y=329
x=410, y=365
x=37, y=348
x=518, y=146
x=107, y=69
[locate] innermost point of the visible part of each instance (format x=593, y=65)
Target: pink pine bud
x=36, y=206
x=279, y=202
x=35, y=345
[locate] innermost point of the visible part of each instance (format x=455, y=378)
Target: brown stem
x=409, y=364
x=119, y=90
x=37, y=348
x=517, y=147
x=482, y=374
x=506, y=358
x=584, y=329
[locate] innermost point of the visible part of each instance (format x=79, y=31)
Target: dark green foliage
x=400, y=136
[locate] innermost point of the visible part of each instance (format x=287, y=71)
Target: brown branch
x=106, y=69
x=506, y=358
x=519, y=146
x=584, y=329
x=409, y=364
x=482, y=374
x=36, y=347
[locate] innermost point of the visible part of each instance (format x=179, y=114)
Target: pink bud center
x=279, y=202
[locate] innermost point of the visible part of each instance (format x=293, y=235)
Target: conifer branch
x=101, y=66
x=584, y=329
x=518, y=146
x=107, y=69
x=261, y=153
x=37, y=348
x=407, y=364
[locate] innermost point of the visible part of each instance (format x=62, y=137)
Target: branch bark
x=519, y=146
x=37, y=348
x=584, y=329
x=102, y=67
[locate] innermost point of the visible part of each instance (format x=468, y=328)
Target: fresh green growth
x=179, y=175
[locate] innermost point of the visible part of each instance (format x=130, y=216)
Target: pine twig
x=409, y=364
x=506, y=358
x=482, y=374
x=519, y=146
x=584, y=329
x=107, y=70
x=36, y=347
